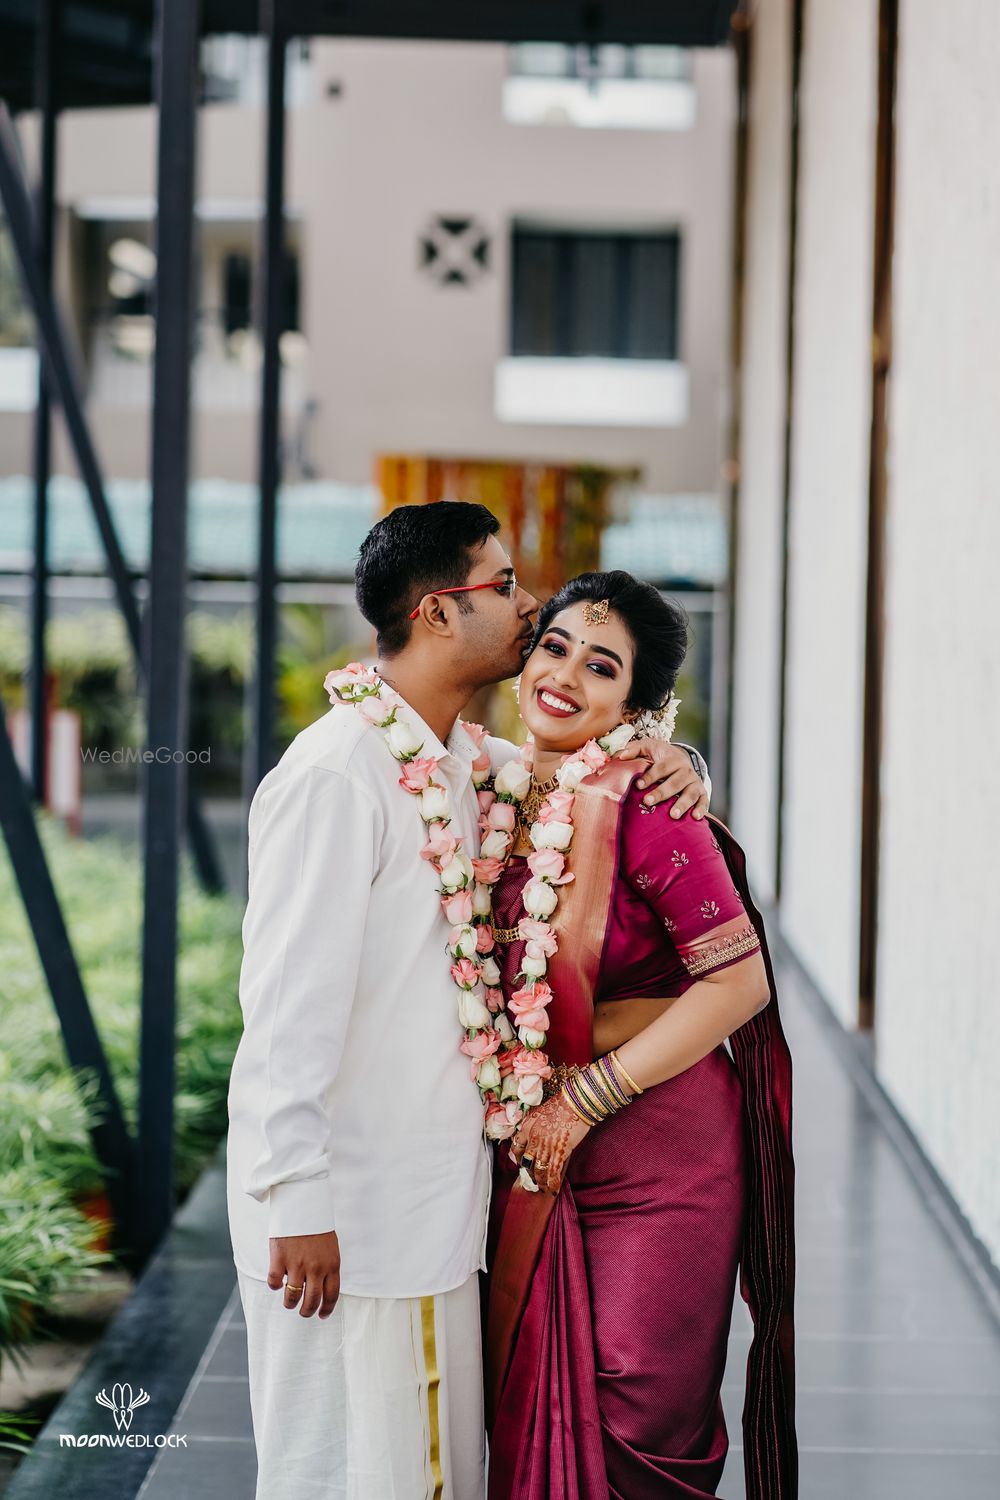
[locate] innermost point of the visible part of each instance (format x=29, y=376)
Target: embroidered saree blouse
x=675, y=913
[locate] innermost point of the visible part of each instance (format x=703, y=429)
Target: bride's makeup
x=575, y=682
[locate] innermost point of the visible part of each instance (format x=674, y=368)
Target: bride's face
x=575, y=682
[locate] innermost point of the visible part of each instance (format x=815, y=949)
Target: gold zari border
x=739, y=945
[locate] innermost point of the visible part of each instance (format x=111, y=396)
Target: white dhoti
x=381, y=1401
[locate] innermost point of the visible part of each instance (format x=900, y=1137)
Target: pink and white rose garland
x=505, y=1043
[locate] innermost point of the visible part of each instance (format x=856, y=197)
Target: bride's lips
x=550, y=708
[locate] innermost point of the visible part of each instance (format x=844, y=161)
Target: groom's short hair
x=412, y=551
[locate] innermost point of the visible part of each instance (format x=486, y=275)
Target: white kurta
x=351, y=1107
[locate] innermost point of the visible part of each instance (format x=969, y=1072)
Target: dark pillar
x=45, y=102
x=165, y=782
x=270, y=313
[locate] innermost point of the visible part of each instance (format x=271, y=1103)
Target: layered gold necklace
x=530, y=806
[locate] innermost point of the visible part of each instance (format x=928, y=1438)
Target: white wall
x=937, y=1012
x=758, y=589
x=397, y=362
x=406, y=365
x=829, y=495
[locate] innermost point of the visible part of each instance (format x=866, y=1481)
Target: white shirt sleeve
x=313, y=854
x=499, y=752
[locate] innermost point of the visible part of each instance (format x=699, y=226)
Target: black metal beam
x=270, y=313
x=165, y=780
x=110, y=1137
x=63, y=384
x=45, y=56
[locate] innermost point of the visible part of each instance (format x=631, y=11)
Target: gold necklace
x=530, y=806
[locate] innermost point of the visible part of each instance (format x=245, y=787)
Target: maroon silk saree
x=609, y=1304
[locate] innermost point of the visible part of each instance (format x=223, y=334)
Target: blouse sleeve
x=677, y=866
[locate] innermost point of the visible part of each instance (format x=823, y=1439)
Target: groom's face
x=494, y=637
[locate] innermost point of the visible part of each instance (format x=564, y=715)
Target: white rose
x=464, y=945
x=482, y=901
x=472, y=1010
x=512, y=780
x=526, y=1180
x=530, y=1037
x=488, y=1076
x=540, y=900
x=495, y=844
x=508, y=1089
x=529, y=1090
x=433, y=803
x=551, y=835
x=457, y=872
x=403, y=741
x=571, y=774
x=490, y=973
x=501, y=1023
x=617, y=739
x=534, y=967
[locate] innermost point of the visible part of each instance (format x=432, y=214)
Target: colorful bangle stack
x=598, y=1090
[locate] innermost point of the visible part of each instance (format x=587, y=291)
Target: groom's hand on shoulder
x=311, y=1264
x=671, y=774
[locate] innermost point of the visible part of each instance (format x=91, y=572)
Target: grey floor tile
x=217, y=1409
x=205, y=1470
x=230, y=1355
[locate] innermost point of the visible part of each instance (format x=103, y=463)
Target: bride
x=644, y=1164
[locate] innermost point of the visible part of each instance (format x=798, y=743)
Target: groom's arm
x=313, y=855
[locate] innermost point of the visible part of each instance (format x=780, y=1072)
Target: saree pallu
x=609, y=1305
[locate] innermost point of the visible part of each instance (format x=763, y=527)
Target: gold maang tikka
x=596, y=613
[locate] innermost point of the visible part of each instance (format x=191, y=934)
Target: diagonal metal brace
x=16, y=199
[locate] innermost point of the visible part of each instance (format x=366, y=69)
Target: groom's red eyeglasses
x=505, y=586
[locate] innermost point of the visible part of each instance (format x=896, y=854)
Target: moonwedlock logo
x=121, y=1404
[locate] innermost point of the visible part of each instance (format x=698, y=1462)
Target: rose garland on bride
x=508, y=1061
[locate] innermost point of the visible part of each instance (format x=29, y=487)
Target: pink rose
x=502, y=815
x=484, y=1044
x=493, y=999
x=482, y=766
x=465, y=974
x=533, y=1020
x=500, y=1124
x=457, y=908
x=593, y=757
x=484, y=939
x=540, y=938
x=488, y=871
x=439, y=847
x=485, y=800
x=476, y=732
x=533, y=997
x=548, y=864
x=348, y=678
x=532, y=1065
x=556, y=808
x=373, y=711
x=506, y=1059
x=417, y=774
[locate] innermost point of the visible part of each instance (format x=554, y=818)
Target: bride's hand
x=671, y=774
x=547, y=1139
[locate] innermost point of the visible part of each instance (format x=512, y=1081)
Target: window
x=603, y=295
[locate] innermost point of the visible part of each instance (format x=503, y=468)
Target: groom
x=358, y=1171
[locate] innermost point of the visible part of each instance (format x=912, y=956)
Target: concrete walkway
x=898, y=1339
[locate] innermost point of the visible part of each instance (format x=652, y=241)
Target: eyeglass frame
x=470, y=588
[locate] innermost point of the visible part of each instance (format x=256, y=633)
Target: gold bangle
x=617, y=1063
